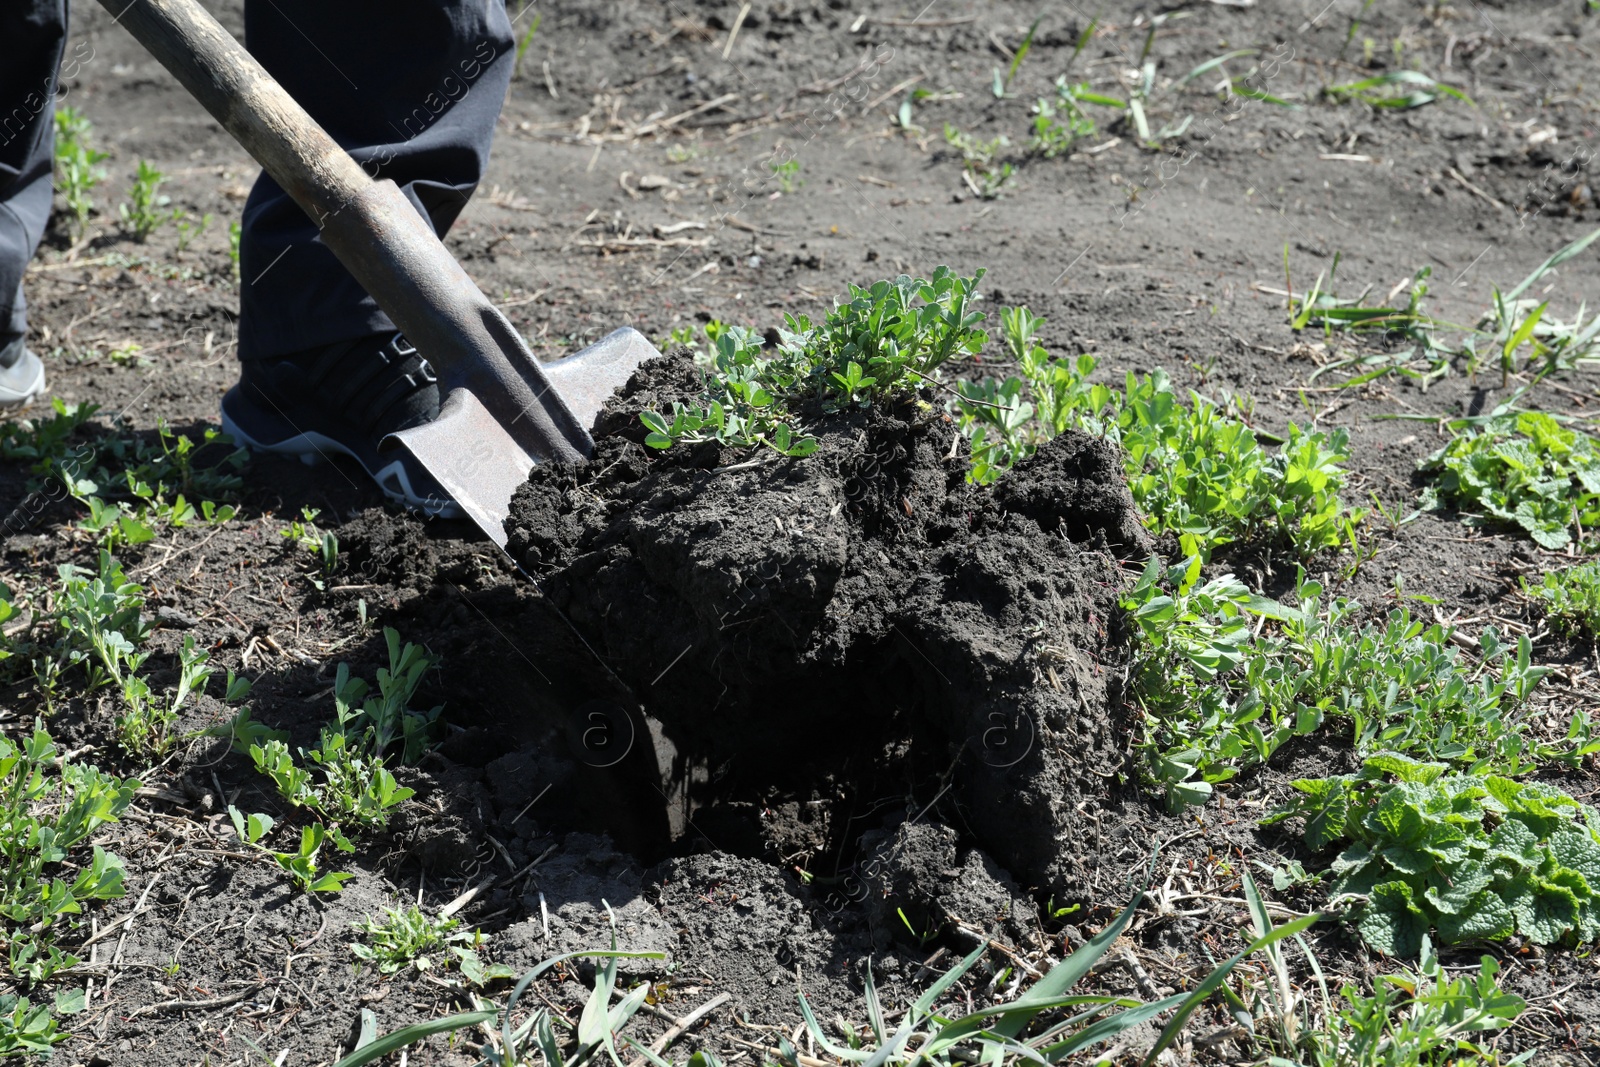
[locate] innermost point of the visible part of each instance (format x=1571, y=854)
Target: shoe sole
x=311, y=448
x=12, y=400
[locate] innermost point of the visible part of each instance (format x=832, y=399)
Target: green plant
x=524, y=41
x=882, y=342
x=1051, y=137
x=1474, y=857
x=77, y=165
x=1570, y=597
x=99, y=626
x=145, y=209
x=49, y=807
x=1425, y=361
x=1412, y=1019
x=1046, y=1024
x=43, y=441
x=387, y=717
x=189, y=230
x=300, y=865
x=898, y=332
x=129, y=354
x=1522, y=469
x=1513, y=322
x=1520, y=333
x=1398, y=89
x=26, y=1027
x=598, y=1029
x=1003, y=84
x=1012, y=1032
x=234, y=236
x=677, y=337
x=303, y=530
x=787, y=174
x=131, y=485
x=100, y=621
x=1226, y=677
x=144, y=724
x=354, y=786
x=981, y=173
x=402, y=938
x=1416, y=1018
x=1193, y=469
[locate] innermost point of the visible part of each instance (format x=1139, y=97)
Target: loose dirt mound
x=857, y=612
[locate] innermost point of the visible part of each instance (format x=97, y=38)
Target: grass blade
x=1216, y=978
x=1022, y=52
x=1213, y=64
x=1560, y=257
x=410, y=1035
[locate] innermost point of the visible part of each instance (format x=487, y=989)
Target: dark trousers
x=411, y=88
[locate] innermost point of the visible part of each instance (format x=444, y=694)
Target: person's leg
x=412, y=89
x=33, y=32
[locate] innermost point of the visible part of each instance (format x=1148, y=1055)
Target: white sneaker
x=21, y=376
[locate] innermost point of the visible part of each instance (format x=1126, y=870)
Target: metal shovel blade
x=475, y=458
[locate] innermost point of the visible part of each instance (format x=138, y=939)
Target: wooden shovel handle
x=240, y=94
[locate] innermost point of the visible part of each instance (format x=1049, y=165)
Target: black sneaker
x=21, y=375
x=343, y=398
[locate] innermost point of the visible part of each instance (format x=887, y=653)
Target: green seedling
x=1424, y=362
x=402, y=938
x=98, y=626
x=301, y=865
x=1472, y=857
x=1355, y=26
x=1031, y=1027
x=1193, y=468
x=189, y=230
x=49, y=809
x=1522, y=333
x=234, y=236
x=133, y=487
x=1523, y=470
x=128, y=354
x=982, y=173
x=524, y=41
x=145, y=209
x=1047, y=1024
x=787, y=175
x=1570, y=598
x=1412, y=1019
x=145, y=722
x=1513, y=323
x=77, y=166
x=1395, y=89
x=1225, y=677
x=1418, y=1018
x=678, y=337
x=1003, y=84
x=884, y=342
x=42, y=442
x=1058, y=123
x=410, y=937
x=303, y=531
x=922, y=938
x=352, y=785
x=30, y=1029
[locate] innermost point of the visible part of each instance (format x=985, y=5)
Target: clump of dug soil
x=862, y=615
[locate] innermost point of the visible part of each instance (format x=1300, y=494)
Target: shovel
x=501, y=411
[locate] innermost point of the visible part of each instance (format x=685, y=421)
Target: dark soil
x=864, y=607
x=766, y=710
